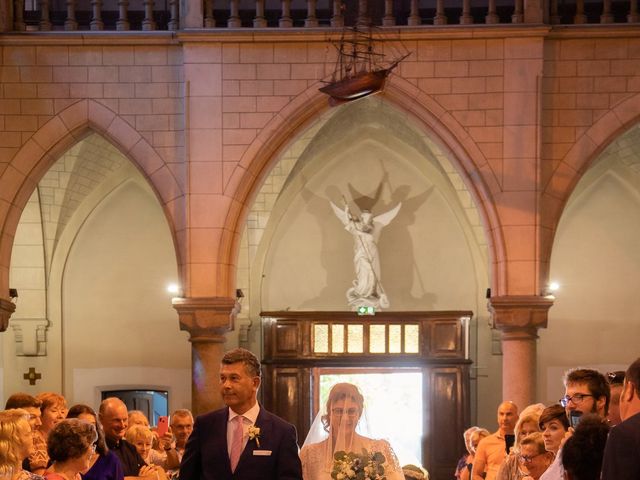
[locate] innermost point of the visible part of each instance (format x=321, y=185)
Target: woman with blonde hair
x=142, y=438
x=528, y=423
x=474, y=439
x=16, y=444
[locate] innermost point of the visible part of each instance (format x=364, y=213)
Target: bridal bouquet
x=358, y=466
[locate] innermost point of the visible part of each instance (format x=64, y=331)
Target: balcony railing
x=147, y=15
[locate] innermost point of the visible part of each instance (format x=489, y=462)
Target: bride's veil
x=341, y=424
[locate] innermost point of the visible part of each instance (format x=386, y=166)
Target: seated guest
x=71, y=447
x=32, y=407
x=534, y=457
x=526, y=425
x=104, y=464
x=582, y=453
x=114, y=420
x=16, y=444
x=54, y=409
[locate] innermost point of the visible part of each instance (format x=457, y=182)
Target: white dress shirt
x=248, y=418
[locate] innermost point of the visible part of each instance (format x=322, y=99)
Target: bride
x=340, y=427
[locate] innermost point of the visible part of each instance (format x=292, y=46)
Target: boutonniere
x=254, y=434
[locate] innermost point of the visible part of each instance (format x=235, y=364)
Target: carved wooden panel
x=445, y=338
x=287, y=338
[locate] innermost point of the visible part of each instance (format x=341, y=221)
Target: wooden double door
x=297, y=345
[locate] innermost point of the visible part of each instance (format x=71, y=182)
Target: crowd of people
x=592, y=433
x=41, y=438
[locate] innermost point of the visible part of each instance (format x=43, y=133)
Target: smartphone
x=574, y=418
x=163, y=425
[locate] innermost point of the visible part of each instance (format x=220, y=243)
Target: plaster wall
x=597, y=264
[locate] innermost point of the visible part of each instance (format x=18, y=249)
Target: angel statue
x=367, y=289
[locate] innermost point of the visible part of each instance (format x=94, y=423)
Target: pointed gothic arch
x=37, y=155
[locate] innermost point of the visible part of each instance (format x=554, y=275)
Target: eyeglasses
x=576, y=399
x=525, y=459
x=338, y=412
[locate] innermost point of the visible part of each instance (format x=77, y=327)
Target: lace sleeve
x=392, y=469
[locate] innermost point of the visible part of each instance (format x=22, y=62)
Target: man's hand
x=152, y=472
x=164, y=442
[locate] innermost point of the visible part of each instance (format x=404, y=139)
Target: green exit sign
x=366, y=310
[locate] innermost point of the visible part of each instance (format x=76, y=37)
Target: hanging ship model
x=360, y=69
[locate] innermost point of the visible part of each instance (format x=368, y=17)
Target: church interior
x=166, y=195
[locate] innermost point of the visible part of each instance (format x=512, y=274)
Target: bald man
x=492, y=450
x=114, y=419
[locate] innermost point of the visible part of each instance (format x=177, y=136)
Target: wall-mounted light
x=551, y=289
x=239, y=294
x=174, y=289
x=13, y=294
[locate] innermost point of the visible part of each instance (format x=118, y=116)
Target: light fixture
x=551, y=289
x=239, y=294
x=173, y=288
x=13, y=294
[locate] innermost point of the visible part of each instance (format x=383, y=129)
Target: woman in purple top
x=106, y=465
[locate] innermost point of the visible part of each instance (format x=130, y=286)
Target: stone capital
x=207, y=319
x=519, y=315
x=6, y=309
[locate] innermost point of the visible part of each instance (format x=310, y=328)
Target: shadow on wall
x=400, y=267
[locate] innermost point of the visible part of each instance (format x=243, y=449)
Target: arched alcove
x=107, y=255
x=295, y=253
x=596, y=261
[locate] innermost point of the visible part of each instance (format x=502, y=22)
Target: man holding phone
x=586, y=391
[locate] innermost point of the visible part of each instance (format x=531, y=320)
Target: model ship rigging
x=360, y=69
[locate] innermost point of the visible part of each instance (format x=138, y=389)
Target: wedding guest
x=337, y=428
x=466, y=461
x=586, y=391
x=534, y=456
x=526, y=425
x=16, y=444
x=71, y=447
x=493, y=449
x=54, y=410
x=137, y=417
x=582, y=453
x=615, y=379
x=104, y=464
x=142, y=437
x=621, y=459
x=181, y=427
x=32, y=406
x=474, y=441
x=114, y=419
x=413, y=472
x=554, y=424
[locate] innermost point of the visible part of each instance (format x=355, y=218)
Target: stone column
x=6, y=309
x=207, y=320
x=519, y=318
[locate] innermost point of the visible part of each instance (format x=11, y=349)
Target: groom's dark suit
x=206, y=455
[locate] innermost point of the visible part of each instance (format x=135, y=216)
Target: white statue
x=367, y=289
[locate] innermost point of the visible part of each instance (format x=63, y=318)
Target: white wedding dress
x=316, y=463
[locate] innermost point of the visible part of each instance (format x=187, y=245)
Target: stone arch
x=259, y=157
x=35, y=157
x=585, y=151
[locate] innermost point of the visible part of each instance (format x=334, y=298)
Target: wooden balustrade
x=117, y=15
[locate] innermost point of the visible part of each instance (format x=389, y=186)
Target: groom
x=243, y=441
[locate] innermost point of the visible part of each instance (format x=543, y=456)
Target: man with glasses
x=586, y=391
x=492, y=450
x=621, y=459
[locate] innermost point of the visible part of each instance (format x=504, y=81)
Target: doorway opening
x=393, y=400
